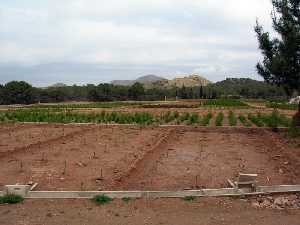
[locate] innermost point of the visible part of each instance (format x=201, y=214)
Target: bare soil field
x=94, y=157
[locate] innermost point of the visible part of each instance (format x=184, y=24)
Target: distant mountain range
x=156, y=81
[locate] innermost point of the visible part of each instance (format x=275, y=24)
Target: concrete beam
x=224, y=192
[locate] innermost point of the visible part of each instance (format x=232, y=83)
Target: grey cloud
x=76, y=41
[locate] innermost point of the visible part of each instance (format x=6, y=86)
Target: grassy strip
x=283, y=105
x=232, y=119
x=224, y=103
x=244, y=121
x=219, y=119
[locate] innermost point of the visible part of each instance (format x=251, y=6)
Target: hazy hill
x=144, y=80
x=58, y=85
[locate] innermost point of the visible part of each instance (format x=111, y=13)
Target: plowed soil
x=92, y=157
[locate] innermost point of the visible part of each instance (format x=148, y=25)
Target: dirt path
x=146, y=212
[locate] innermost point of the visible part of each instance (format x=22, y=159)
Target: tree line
x=20, y=92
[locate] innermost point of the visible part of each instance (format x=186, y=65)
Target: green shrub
x=244, y=121
x=257, y=120
x=276, y=120
x=232, y=119
x=219, y=119
x=11, y=199
x=169, y=117
x=184, y=117
x=293, y=132
x=193, y=119
x=102, y=199
x=206, y=119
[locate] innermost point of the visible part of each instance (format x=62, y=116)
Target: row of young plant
x=74, y=117
x=104, y=105
x=144, y=118
x=234, y=103
x=282, y=105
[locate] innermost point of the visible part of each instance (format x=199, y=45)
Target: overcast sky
x=92, y=41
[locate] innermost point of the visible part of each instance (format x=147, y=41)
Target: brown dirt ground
x=206, y=211
x=136, y=158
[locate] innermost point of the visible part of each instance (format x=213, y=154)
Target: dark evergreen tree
x=136, y=91
x=1, y=94
x=281, y=63
x=201, y=92
x=19, y=92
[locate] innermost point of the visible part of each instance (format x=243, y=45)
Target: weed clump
x=126, y=199
x=189, y=198
x=102, y=199
x=11, y=199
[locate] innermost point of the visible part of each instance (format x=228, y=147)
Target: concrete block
x=21, y=190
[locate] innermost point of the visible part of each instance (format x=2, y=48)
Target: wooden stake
x=65, y=167
x=101, y=174
x=196, y=182
x=21, y=166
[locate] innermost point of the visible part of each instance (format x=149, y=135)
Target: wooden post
x=196, y=181
x=65, y=167
x=21, y=166
x=81, y=186
x=101, y=174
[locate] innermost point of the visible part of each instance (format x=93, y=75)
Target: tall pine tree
x=281, y=63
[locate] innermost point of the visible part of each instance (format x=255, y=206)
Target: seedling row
x=275, y=119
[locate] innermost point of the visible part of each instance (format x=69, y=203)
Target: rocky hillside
x=151, y=81
x=188, y=81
